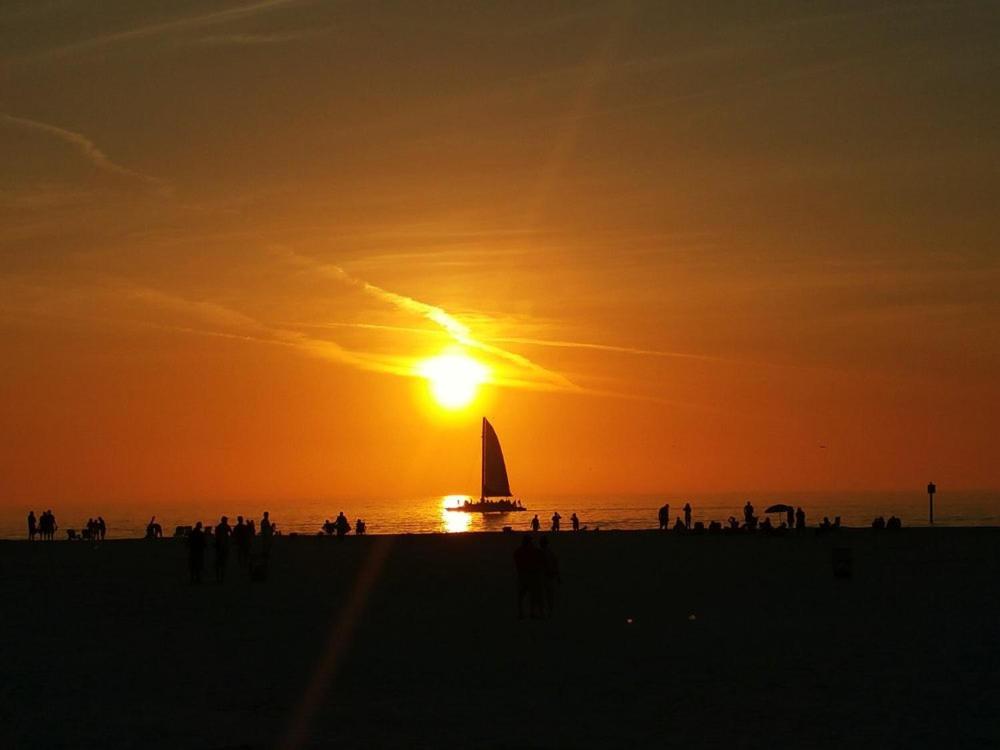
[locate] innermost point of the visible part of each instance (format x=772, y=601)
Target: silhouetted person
x=550, y=575
x=535, y=523
x=241, y=538
x=221, y=535
x=528, y=565
x=878, y=523
x=153, y=529
x=555, y=521
x=800, y=518
x=251, y=529
x=343, y=525
x=196, y=552
x=359, y=527
x=826, y=523
x=575, y=520
x=32, y=526
x=102, y=528
x=266, y=533
x=663, y=516
x=748, y=517
x=679, y=526
x=893, y=523
x=329, y=527
x=687, y=515
x=790, y=517
x=765, y=525
x=733, y=523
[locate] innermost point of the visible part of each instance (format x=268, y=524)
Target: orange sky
x=700, y=248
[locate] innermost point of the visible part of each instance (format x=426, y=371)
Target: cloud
x=86, y=147
x=163, y=27
x=249, y=40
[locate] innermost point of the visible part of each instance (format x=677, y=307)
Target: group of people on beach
x=556, y=520
x=241, y=536
x=537, y=570
x=44, y=526
x=342, y=527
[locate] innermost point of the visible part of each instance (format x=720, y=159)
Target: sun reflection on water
x=454, y=522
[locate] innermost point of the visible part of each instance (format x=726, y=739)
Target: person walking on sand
x=196, y=552
x=664, y=517
x=535, y=523
x=221, y=536
x=575, y=520
x=687, y=515
x=550, y=575
x=32, y=526
x=555, y=521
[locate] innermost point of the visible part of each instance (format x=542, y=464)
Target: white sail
x=495, y=482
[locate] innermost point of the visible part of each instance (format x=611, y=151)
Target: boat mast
x=482, y=463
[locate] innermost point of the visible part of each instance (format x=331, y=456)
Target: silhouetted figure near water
x=196, y=552
x=535, y=523
x=687, y=515
x=329, y=527
x=47, y=526
x=32, y=526
x=529, y=566
x=733, y=523
x=826, y=525
x=790, y=517
x=102, y=528
x=664, y=517
x=266, y=534
x=766, y=525
x=679, y=526
x=879, y=523
x=241, y=538
x=343, y=525
x=360, y=527
x=222, y=532
x=550, y=575
x=153, y=529
x=555, y=521
x=748, y=517
x=575, y=520
x=800, y=518
x=251, y=529
x=894, y=523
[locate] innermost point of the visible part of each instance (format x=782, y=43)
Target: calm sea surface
x=429, y=514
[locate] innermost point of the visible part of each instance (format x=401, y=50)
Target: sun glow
x=454, y=378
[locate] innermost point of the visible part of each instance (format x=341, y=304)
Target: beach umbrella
x=779, y=508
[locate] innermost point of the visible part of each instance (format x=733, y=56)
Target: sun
x=454, y=378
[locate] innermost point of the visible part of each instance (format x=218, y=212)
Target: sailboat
x=494, y=480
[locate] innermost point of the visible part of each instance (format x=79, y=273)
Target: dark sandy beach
x=413, y=641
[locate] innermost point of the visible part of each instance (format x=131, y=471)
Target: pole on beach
x=931, y=489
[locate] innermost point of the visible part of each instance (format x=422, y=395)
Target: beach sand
x=413, y=641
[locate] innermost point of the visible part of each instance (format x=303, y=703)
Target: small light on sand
x=692, y=617
x=628, y=620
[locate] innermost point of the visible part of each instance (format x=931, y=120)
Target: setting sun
x=454, y=378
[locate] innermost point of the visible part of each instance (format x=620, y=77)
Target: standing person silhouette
x=222, y=532
x=196, y=552
x=555, y=521
x=687, y=515
x=790, y=517
x=664, y=517
x=575, y=520
x=102, y=527
x=535, y=523
x=32, y=526
x=748, y=515
x=241, y=538
x=343, y=525
x=266, y=534
x=800, y=518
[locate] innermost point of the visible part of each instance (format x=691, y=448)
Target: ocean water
x=428, y=515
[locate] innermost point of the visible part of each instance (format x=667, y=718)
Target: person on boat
x=528, y=565
x=663, y=516
x=687, y=515
x=343, y=525
x=555, y=521
x=535, y=523
x=575, y=520
x=550, y=575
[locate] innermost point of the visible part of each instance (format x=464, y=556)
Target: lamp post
x=931, y=489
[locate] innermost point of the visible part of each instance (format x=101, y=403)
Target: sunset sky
x=694, y=246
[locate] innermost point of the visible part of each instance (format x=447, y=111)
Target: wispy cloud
x=86, y=147
x=185, y=23
x=250, y=40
